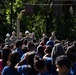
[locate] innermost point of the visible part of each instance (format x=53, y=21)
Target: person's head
x=31, y=46
x=63, y=65
x=18, y=44
x=33, y=34
x=24, y=49
x=20, y=34
x=48, y=49
x=40, y=64
x=13, y=59
x=12, y=46
x=56, y=41
x=43, y=35
x=5, y=54
x=30, y=34
x=45, y=40
x=71, y=53
x=51, y=43
x=13, y=33
x=27, y=33
x=40, y=50
x=7, y=35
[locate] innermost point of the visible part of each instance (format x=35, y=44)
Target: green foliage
x=43, y=20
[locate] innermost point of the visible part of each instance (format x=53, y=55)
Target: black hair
x=48, y=49
x=46, y=39
x=30, y=44
x=18, y=43
x=63, y=60
x=39, y=63
x=24, y=49
x=30, y=61
x=40, y=49
x=57, y=41
x=71, y=53
x=71, y=57
x=14, y=58
x=5, y=55
x=71, y=49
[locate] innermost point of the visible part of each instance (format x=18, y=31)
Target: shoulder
x=44, y=74
x=23, y=69
x=24, y=55
x=5, y=69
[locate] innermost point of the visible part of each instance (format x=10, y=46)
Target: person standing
x=13, y=38
x=20, y=36
x=7, y=40
x=27, y=37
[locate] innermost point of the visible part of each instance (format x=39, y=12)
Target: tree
x=45, y=19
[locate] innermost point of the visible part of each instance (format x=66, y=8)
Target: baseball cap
x=26, y=32
x=8, y=34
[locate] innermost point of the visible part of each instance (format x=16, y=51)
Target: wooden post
x=18, y=22
x=18, y=27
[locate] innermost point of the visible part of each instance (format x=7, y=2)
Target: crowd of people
x=28, y=56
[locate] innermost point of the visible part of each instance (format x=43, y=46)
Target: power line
x=52, y=4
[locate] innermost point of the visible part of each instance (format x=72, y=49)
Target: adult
x=63, y=65
x=14, y=58
x=27, y=37
x=71, y=54
x=43, y=36
x=18, y=48
x=13, y=38
x=57, y=51
x=53, y=37
x=33, y=37
x=5, y=53
x=27, y=69
x=20, y=36
x=7, y=40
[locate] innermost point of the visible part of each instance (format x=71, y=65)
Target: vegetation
x=45, y=19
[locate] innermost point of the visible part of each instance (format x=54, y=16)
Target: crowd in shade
x=29, y=56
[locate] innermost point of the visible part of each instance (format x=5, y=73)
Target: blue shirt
x=71, y=72
x=74, y=68
x=23, y=56
x=44, y=74
x=19, y=51
x=8, y=71
x=25, y=70
x=51, y=68
x=22, y=70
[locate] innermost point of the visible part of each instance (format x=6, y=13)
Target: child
x=63, y=65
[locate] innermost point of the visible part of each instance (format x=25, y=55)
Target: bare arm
x=21, y=62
